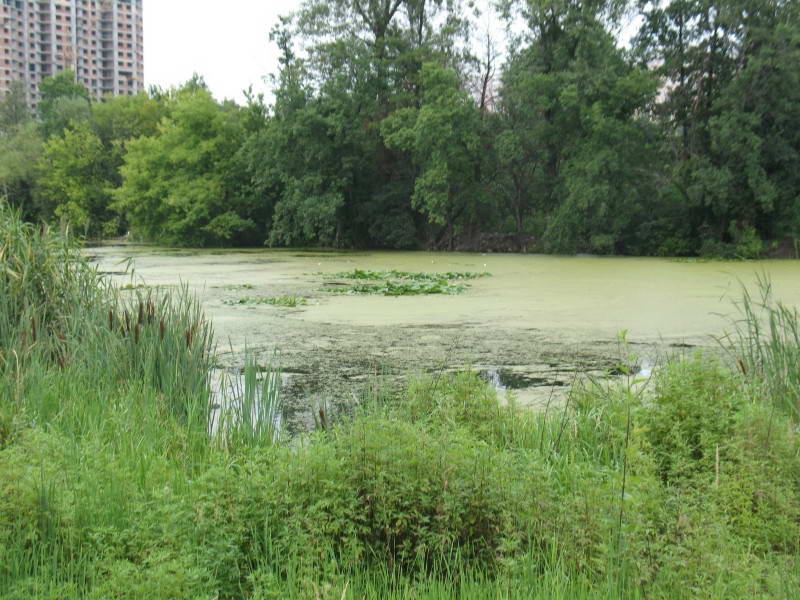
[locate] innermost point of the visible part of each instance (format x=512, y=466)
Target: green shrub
x=691, y=416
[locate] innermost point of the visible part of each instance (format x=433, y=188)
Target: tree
x=728, y=112
x=14, y=108
x=442, y=136
x=64, y=101
x=75, y=183
x=20, y=146
x=19, y=152
x=573, y=147
x=336, y=179
x=176, y=184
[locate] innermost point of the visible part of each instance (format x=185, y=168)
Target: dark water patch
x=506, y=379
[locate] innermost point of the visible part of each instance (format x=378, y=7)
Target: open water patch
x=506, y=379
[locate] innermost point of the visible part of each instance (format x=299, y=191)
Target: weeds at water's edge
x=111, y=487
x=764, y=343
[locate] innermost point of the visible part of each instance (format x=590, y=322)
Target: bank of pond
x=114, y=484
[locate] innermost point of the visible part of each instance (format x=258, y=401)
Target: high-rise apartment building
x=100, y=40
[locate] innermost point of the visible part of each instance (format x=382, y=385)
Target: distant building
x=100, y=40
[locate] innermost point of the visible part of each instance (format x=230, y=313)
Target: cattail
x=742, y=366
x=188, y=338
x=111, y=320
x=141, y=313
x=161, y=330
x=33, y=329
x=137, y=332
x=127, y=322
x=151, y=311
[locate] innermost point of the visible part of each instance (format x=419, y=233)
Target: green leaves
x=401, y=283
x=175, y=187
x=74, y=178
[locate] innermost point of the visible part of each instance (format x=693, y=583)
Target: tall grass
x=112, y=487
x=764, y=341
x=249, y=413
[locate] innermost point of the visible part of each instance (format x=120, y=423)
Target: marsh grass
x=764, y=342
x=112, y=487
x=250, y=409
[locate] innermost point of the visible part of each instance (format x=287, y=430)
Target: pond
x=528, y=327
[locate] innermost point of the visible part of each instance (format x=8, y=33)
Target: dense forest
x=413, y=124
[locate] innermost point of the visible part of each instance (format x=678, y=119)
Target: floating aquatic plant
x=284, y=301
x=407, y=275
x=400, y=283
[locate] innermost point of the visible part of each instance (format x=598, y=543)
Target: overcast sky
x=225, y=42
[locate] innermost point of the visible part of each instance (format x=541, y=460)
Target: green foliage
x=412, y=276
x=75, y=179
x=40, y=287
x=63, y=101
x=764, y=341
x=117, y=480
x=285, y=301
x=176, y=186
x=14, y=108
x=442, y=137
x=399, y=288
x=389, y=131
x=726, y=116
x=20, y=149
x=574, y=146
x=400, y=283
x=692, y=417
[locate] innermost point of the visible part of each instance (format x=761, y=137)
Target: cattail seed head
x=161, y=330
x=137, y=332
x=33, y=329
x=111, y=319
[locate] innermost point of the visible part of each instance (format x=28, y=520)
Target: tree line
x=399, y=124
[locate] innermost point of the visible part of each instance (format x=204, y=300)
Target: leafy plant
x=284, y=301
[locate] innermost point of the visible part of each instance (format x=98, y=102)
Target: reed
x=764, y=343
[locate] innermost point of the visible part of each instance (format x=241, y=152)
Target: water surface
x=536, y=319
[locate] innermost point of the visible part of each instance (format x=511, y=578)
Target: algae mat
x=535, y=319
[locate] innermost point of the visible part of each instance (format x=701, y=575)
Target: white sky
x=227, y=42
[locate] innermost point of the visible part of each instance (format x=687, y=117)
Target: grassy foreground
x=112, y=487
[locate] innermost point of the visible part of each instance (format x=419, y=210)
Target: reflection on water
x=503, y=380
x=234, y=405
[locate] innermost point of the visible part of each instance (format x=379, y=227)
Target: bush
x=692, y=416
